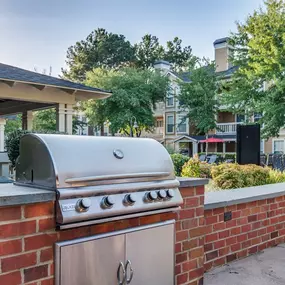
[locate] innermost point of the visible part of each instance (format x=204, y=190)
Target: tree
x=99, y=49
x=199, y=97
x=13, y=124
x=259, y=52
x=135, y=93
x=45, y=120
x=148, y=51
x=180, y=57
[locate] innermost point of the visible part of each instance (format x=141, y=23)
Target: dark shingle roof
x=12, y=73
x=229, y=72
x=220, y=41
x=185, y=76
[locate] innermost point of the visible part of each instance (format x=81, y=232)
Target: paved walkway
x=266, y=268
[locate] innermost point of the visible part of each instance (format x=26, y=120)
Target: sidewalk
x=266, y=268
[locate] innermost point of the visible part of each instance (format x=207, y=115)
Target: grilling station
x=98, y=180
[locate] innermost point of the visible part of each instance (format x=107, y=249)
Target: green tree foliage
x=107, y=50
x=199, y=97
x=259, y=52
x=180, y=57
x=13, y=124
x=99, y=49
x=135, y=93
x=45, y=120
x=148, y=51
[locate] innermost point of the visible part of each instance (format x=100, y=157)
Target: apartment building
x=173, y=131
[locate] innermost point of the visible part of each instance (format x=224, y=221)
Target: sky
x=37, y=33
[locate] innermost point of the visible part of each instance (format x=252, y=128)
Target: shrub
x=178, y=160
x=196, y=168
x=276, y=176
x=231, y=175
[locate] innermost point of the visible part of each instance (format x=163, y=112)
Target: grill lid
x=62, y=161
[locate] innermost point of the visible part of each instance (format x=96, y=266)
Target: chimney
x=163, y=65
x=222, y=53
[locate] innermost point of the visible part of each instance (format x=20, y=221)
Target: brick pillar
x=190, y=232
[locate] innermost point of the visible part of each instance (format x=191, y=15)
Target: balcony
x=227, y=128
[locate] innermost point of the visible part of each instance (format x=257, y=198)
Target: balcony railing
x=227, y=128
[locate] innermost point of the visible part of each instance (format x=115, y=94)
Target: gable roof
x=12, y=73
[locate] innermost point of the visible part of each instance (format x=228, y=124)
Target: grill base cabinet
x=145, y=254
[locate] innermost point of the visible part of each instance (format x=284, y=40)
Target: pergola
x=23, y=91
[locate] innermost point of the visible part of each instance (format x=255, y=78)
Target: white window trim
x=166, y=123
x=263, y=145
x=178, y=122
x=166, y=103
x=274, y=140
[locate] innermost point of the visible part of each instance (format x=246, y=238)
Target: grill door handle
x=129, y=265
x=116, y=176
x=121, y=267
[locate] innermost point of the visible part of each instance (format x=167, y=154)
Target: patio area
x=265, y=268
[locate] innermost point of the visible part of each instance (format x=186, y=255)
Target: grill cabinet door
x=151, y=253
x=92, y=262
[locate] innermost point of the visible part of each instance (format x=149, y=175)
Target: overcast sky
x=37, y=33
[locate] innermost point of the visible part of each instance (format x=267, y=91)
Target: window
x=181, y=124
x=159, y=123
x=257, y=117
x=240, y=118
x=262, y=146
x=84, y=120
x=170, y=97
x=278, y=146
x=170, y=123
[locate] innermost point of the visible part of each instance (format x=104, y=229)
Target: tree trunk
x=207, y=136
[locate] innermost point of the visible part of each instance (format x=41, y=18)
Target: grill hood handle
x=116, y=176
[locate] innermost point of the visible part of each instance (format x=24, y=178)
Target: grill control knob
x=107, y=202
x=162, y=194
x=83, y=205
x=130, y=199
x=170, y=193
x=152, y=196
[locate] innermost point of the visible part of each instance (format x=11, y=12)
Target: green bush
x=276, y=176
x=12, y=143
x=196, y=168
x=178, y=160
x=231, y=175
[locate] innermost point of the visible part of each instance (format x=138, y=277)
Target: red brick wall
x=254, y=227
x=27, y=236
x=190, y=233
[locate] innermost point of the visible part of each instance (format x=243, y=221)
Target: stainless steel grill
x=99, y=179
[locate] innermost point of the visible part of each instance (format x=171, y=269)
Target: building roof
x=221, y=40
x=162, y=62
x=12, y=73
x=229, y=72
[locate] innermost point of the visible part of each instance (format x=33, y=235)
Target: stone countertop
x=11, y=194
x=190, y=182
x=226, y=198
